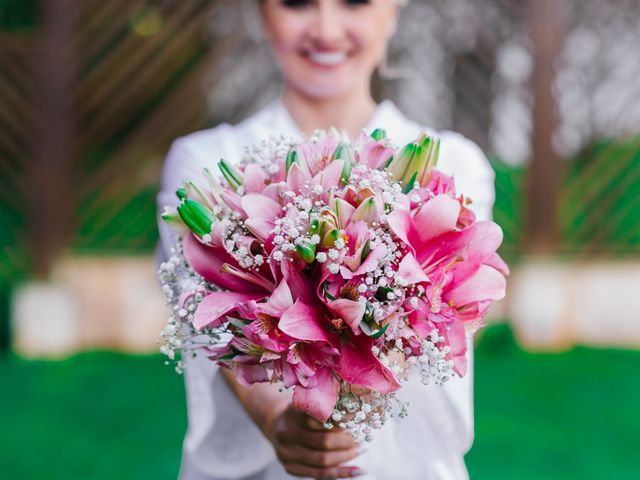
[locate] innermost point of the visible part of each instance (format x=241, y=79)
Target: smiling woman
x=327, y=51
x=329, y=48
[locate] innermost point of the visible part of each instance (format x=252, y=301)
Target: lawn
x=111, y=416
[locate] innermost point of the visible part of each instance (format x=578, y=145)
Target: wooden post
x=546, y=25
x=48, y=191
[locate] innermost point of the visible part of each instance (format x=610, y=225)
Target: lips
x=327, y=59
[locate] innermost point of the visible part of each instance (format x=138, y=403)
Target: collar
x=386, y=115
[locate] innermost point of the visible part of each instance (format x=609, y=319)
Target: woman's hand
x=304, y=447
x=307, y=449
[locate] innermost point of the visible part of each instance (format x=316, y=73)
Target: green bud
x=172, y=218
x=232, y=175
x=365, y=251
x=197, y=192
x=292, y=157
x=345, y=153
x=306, y=252
x=378, y=134
x=409, y=186
x=214, y=185
x=196, y=216
x=415, y=162
x=330, y=238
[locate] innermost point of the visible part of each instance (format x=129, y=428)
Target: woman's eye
x=357, y=2
x=296, y=3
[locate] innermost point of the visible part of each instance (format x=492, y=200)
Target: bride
x=327, y=51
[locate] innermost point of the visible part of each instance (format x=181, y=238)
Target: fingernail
x=358, y=472
x=362, y=449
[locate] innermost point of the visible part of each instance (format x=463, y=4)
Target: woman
x=327, y=51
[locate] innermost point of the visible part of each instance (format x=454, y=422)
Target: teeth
x=328, y=58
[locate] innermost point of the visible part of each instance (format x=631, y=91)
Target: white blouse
x=222, y=442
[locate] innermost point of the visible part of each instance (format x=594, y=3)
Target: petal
x=372, y=261
x=369, y=211
x=208, y=261
x=411, y=271
x=303, y=322
x=300, y=285
x=456, y=338
x=217, y=304
x=486, y=284
x=350, y=311
x=401, y=223
x=494, y=260
x=254, y=178
x=344, y=211
x=375, y=155
x=279, y=301
x=296, y=178
x=330, y=176
x=318, y=401
x=261, y=228
x=359, y=366
x=233, y=200
x=260, y=206
x=437, y=216
x=250, y=374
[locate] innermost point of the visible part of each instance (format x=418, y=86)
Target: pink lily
x=319, y=397
x=374, y=154
x=262, y=212
x=213, y=262
x=359, y=366
x=217, y=305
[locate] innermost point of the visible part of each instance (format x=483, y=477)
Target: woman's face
x=328, y=48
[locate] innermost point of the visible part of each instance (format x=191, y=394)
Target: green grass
x=571, y=415
x=94, y=416
x=107, y=415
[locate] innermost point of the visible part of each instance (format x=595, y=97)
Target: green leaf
x=370, y=332
x=326, y=293
x=344, y=152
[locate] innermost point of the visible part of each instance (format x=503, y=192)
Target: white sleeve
x=218, y=424
x=474, y=177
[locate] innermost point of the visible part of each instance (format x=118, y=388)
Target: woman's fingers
x=318, y=459
x=308, y=422
x=337, y=472
x=326, y=440
x=307, y=449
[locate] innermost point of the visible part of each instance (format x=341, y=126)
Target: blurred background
x=93, y=92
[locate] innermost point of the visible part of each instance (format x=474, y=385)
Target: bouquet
x=331, y=267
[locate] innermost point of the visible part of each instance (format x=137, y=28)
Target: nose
x=327, y=26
